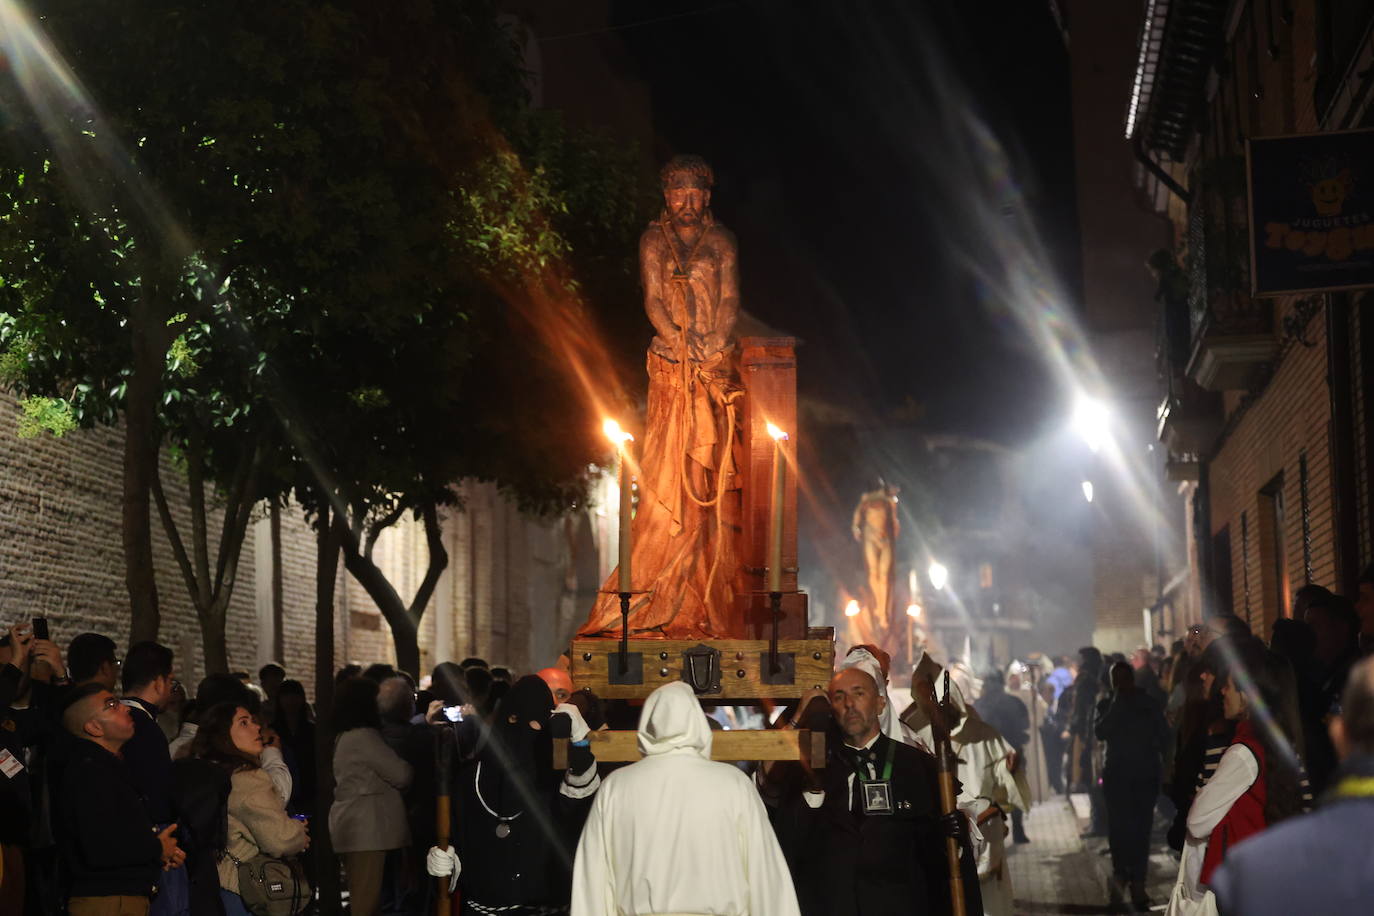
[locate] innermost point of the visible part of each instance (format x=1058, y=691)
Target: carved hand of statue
x=858, y=534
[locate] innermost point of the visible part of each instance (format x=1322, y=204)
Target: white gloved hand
x=442, y=862
x=580, y=731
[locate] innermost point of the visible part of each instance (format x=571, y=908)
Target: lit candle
x=622, y=442
x=775, y=529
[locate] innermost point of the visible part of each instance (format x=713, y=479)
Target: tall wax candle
x=776, y=506
x=626, y=515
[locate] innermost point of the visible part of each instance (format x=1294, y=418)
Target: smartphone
x=453, y=713
x=40, y=628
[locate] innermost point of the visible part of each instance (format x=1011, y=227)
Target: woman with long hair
x=1257, y=782
x=257, y=822
x=368, y=817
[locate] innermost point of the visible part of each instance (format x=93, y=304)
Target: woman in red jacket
x=1256, y=784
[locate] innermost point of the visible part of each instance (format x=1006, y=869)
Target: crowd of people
x=124, y=794
x=1234, y=737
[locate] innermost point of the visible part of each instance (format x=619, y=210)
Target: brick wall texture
x=514, y=592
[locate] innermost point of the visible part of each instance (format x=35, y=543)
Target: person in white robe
x=988, y=788
x=677, y=833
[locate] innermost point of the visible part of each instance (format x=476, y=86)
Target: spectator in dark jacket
x=1009, y=716
x=1082, y=745
x=406, y=886
x=147, y=680
x=109, y=846
x=1132, y=724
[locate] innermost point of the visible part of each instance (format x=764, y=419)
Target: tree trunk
x=405, y=630
x=404, y=621
x=329, y=542
x=213, y=649
x=140, y=464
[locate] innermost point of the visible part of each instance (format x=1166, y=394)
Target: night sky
x=829, y=126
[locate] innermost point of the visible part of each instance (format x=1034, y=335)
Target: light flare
x=613, y=432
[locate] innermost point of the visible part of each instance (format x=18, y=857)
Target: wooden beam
x=741, y=662
x=773, y=744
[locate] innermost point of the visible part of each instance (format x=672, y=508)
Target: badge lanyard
x=876, y=794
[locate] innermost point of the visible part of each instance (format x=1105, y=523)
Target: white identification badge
x=10, y=765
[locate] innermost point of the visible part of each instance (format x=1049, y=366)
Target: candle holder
x=627, y=667
x=775, y=603
x=776, y=668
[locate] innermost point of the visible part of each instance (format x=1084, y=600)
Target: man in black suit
x=867, y=835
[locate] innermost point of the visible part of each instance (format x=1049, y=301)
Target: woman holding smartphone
x=257, y=820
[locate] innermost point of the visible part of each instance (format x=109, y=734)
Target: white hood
x=889, y=721
x=672, y=722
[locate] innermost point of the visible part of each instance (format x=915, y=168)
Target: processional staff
x=948, y=765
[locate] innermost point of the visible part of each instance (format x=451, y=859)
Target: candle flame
x=615, y=433
x=777, y=435
x=852, y=608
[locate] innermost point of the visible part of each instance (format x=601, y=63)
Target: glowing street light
x=852, y=608
x=1088, y=490
x=1092, y=421
x=939, y=575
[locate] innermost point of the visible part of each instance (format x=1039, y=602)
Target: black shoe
x=1020, y=840
x=1139, y=900
x=1116, y=892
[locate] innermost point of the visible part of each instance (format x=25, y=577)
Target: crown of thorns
x=687, y=172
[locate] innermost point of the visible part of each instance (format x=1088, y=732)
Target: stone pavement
x=1057, y=872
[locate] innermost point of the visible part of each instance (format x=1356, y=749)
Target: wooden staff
x=443, y=756
x=948, y=765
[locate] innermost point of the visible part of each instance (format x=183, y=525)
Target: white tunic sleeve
x=1236, y=772
x=593, y=890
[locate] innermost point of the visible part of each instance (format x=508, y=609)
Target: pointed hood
x=672, y=722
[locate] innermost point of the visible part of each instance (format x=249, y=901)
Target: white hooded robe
x=677, y=833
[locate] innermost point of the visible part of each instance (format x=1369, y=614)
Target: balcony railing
x=1233, y=335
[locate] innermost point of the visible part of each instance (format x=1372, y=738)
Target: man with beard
x=867, y=835
x=515, y=818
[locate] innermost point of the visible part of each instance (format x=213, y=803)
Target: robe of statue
x=686, y=551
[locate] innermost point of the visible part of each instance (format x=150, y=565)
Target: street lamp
x=1091, y=420
x=938, y=575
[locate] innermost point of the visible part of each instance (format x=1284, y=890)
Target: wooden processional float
x=771, y=653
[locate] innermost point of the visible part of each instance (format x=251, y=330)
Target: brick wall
x=61, y=554
x=514, y=593
x=1288, y=419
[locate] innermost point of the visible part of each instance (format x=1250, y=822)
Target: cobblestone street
x=1058, y=872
